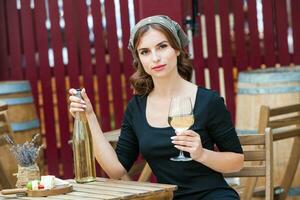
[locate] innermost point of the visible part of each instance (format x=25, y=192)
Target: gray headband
x=164, y=21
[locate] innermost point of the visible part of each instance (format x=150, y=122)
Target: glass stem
x=181, y=155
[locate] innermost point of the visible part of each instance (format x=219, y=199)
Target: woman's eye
x=144, y=52
x=162, y=46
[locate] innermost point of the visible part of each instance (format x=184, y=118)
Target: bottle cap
x=78, y=94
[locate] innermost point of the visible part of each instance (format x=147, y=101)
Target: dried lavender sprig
x=35, y=138
x=39, y=149
x=8, y=139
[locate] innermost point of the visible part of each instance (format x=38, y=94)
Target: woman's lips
x=158, y=67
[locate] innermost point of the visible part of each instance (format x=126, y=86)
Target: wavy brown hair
x=140, y=81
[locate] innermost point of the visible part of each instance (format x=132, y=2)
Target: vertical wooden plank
x=86, y=67
x=281, y=30
x=14, y=40
x=71, y=36
x=127, y=62
x=59, y=73
x=136, y=5
x=295, y=5
x=161, y=7
x=29, y=48
x=190, y=9
x=269, y=48
x=255, y=59
x=212, y=60
x=226, y=60
x=101, y=72
x=187, y=8
x=114, y=63
x=198, y=61
x=101, y=68
x=84, y=43
x=240, y=44
x=4, y=64
x=45, y=77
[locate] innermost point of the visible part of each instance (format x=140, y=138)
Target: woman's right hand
x=79, y=105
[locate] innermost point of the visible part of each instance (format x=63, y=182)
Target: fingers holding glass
x=189, y=141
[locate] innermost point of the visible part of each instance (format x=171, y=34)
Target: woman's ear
x=177, y=52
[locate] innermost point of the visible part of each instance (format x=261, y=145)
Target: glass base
x=181, y=158
x=85, y=179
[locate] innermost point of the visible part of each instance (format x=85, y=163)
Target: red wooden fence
x=228, y=40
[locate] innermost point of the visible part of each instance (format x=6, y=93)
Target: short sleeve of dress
x=127, y=147
x=220, y=126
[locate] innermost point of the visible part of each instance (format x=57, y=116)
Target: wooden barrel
x=273, y=87
x=23, y=119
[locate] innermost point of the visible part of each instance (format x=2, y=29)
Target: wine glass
x=181, y=118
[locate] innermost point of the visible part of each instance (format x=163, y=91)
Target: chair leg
x=291, y=168
x=269, y=165
x=249, y=188
x=4, y=182
x=126, y=178
x=146, y=173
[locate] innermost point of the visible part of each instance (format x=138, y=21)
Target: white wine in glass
x=181, y=118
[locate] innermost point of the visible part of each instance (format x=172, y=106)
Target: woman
x=163, y=70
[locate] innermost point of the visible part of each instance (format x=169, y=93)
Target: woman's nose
x=155, y=56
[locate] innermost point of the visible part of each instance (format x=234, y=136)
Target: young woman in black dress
x=163, y=70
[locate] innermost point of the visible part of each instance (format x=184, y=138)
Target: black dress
x=194, y=180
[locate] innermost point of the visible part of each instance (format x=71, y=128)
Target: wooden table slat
x=123, y=186
x=31, y=198
x=97, y=190
x=130, y=184
x=109, y=189
x=112, y=188
x=68, y=197
x=155, y=185
x=85, y=194
x=119, y=192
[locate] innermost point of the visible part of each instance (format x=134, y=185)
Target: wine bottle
x=83, y=154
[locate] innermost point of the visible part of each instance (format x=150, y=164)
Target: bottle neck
x=77, y=115
x=80, y=116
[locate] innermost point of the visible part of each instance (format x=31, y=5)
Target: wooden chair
x=5, y=128
x=140, y=168
x=285, y=123
x=263, y=153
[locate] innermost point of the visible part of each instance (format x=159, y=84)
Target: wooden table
x=104, y=188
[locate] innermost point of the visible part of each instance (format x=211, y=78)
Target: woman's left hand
x=189, y=141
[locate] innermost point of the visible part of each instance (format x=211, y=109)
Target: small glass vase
x=26, y=174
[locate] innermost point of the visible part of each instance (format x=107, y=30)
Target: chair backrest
x=285, y=123
x=140, y=168
x=5, y=128
x=263, y=153
x=287, y=117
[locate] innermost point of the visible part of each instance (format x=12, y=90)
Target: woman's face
x=157, y=56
